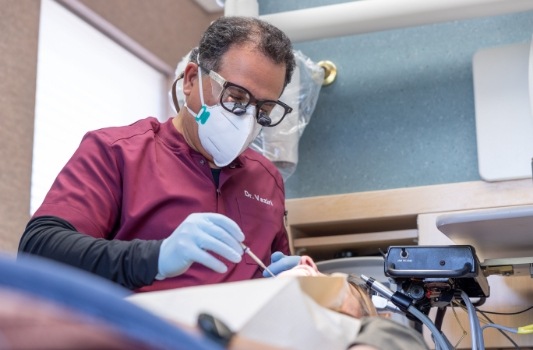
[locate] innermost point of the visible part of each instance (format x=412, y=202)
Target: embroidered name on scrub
x=258, y=198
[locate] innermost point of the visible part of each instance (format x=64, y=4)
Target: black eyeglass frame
x=258, y=103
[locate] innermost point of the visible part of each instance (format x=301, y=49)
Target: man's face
x=247, y=67
x=242, y=65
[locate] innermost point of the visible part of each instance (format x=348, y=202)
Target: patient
x=376, y=333
x=356, y=302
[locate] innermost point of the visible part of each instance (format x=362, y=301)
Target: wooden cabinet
x=323, y=225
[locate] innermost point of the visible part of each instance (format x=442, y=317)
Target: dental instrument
x=254, y=257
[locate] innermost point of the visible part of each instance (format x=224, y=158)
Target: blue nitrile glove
x=192, y=240
x=281, y=262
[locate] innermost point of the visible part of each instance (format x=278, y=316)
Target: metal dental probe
x=254, y=257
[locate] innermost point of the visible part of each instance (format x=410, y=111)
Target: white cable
x=475, y=327
x=503, y=328
x=441, y=343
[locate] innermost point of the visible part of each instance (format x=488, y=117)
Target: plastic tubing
x=475, y=327
x=441, y=343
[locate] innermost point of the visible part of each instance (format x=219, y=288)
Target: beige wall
x=167, y=28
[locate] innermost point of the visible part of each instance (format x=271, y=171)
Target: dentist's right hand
x=194, y=238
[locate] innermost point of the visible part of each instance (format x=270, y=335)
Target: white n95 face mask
x=223, y=134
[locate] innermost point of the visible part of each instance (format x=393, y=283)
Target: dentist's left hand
x=194, y=238
x=281, y=262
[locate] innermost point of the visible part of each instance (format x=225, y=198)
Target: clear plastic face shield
x=279, y=144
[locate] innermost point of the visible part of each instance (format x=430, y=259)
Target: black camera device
x=432, y=276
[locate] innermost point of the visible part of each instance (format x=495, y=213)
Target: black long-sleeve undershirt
x=133, y=264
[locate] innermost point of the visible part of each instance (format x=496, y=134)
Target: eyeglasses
x=236, y=99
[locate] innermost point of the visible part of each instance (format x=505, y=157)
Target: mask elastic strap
x=201, y=88
x=200, y=75
x=174, y=95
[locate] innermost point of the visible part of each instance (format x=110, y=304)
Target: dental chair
x=46, y=304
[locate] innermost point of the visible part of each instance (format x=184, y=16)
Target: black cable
x=439, y=317
x=506, y=313
x=499, y=330
x=418, y=326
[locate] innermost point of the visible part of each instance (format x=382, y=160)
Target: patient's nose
x=306, y=260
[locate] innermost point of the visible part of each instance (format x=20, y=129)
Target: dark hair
x=227, y=31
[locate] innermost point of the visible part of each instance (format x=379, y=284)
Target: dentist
x=159, y=205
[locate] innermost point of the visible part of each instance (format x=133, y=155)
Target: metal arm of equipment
x=441, y=342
